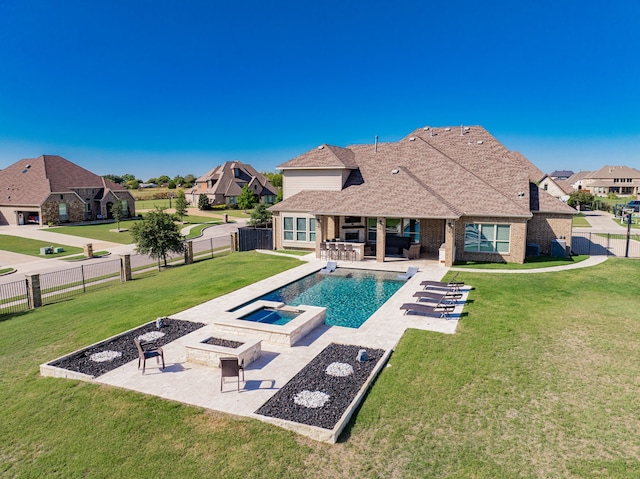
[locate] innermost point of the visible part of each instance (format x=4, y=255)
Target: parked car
x=634, y=204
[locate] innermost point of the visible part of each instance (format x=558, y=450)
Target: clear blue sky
x=158, y=87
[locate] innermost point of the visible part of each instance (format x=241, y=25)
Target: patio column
x=331, y=227
x=449, y=243
x=319, y=233
x=381, y=238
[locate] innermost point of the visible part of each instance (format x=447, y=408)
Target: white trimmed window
x=487, y=238
x=299, y=229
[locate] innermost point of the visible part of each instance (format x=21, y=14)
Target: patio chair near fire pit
x=230, y=368
x=144, y=354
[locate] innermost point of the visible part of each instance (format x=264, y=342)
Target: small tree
x=260, y=215
x=203, y=202
x=157, y=235
x=578, y=198
x=181, y=204
x=116, y=212
x=247, y=199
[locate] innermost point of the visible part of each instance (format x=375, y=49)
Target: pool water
x=351, y=296
x=270, y=316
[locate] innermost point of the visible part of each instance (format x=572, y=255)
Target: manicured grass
x=532, y=262
x=579, y=221
x=634, y=224
x=100, y=232
x=150, y=204
x=293, y=252
x=6, y=270
x=540, y=380
x=31, y=247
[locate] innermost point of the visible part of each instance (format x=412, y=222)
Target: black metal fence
x=608, y=244
x=255, y=238
x=13, y=297
x=58, y=285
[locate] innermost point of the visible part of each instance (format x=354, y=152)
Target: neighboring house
x=560, y=189
x=457, y=192
x=50, y=189
x=561, y=174
x=224, y=183
x=576, y=181
x=619, y=180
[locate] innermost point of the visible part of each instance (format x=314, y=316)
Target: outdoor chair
x=323, y=250
x=438, y=311
x=349, y=252
x=144, y=354
x=413, y=252
x=341, y=250
x=438, y=294
x=329, y=268
x=411, y=270
x=230, y=368
x=332, y=251
x=439, y=285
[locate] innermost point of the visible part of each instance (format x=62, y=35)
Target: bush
x=203, y=203
x=219, y=207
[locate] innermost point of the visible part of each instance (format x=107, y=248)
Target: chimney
x=375, y=145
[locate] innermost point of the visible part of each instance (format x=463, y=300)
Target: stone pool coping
x=284, y=334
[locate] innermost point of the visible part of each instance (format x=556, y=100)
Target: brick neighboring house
x=619, y=180
x=224, y=183
x=454, y=191
x=52, y=189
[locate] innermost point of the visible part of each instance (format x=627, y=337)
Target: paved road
x=25, y=264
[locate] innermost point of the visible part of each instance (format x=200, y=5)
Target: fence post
x=34, y=295
x=188, y=253
x=234, y=242
x=125, y=268
x=84, y=288
x=211, y=242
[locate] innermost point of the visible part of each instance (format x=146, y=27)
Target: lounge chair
x=438, y=295
x=144, y=354
x=411, y=270
x=441, y=311
x=329, y=268
x=441, y=286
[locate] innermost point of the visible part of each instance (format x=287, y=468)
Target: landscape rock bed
x=81, y=362
x=314, y=383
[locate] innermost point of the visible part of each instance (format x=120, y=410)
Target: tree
x=157, y=235
x=129, y=177
x=171, y=185
x=580, y=197
x=189, y=180
x=247, y=199
x=116, y=212
x=274, y=178
x=181, y=204
x=115, y=178
x=260, y=215
x=203, y=202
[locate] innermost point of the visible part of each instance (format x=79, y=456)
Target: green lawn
x=102, y=232
x=31, y=247
x=541, y=380
x=579, y=221
x=532, y=262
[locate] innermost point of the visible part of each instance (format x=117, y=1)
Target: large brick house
x=51, y=189
x=457, y=192
x=224, y=184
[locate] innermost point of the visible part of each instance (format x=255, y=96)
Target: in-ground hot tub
x=304, y=319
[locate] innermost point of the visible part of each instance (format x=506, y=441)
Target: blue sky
x=159, y=87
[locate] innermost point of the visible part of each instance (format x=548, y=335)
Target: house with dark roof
x=618, y=180
x=457, y=192
x=560, y=174
x=51, y=189
x=224, y=184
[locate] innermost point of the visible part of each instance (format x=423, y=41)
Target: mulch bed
x=313, y=378
x=81, y=362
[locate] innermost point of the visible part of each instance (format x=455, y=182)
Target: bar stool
x=323, y=250
x=341, y=251
x=331, y=249
x=349, y=252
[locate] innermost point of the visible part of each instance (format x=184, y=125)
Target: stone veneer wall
x=51, y=211
x=517, y=247
x=545, y=227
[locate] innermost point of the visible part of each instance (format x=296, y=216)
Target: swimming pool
x=351, y=296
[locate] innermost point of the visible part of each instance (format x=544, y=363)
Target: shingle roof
x=30, y=181
x=610, y=172
x=434, y=173
x=227, y=184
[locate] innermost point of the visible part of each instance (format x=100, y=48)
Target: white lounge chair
x=411, y=270
x=330, y=267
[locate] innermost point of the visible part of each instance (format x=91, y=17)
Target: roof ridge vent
x=447, y=129
x=412, y=138
x=321, y=147
x=479, y=142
